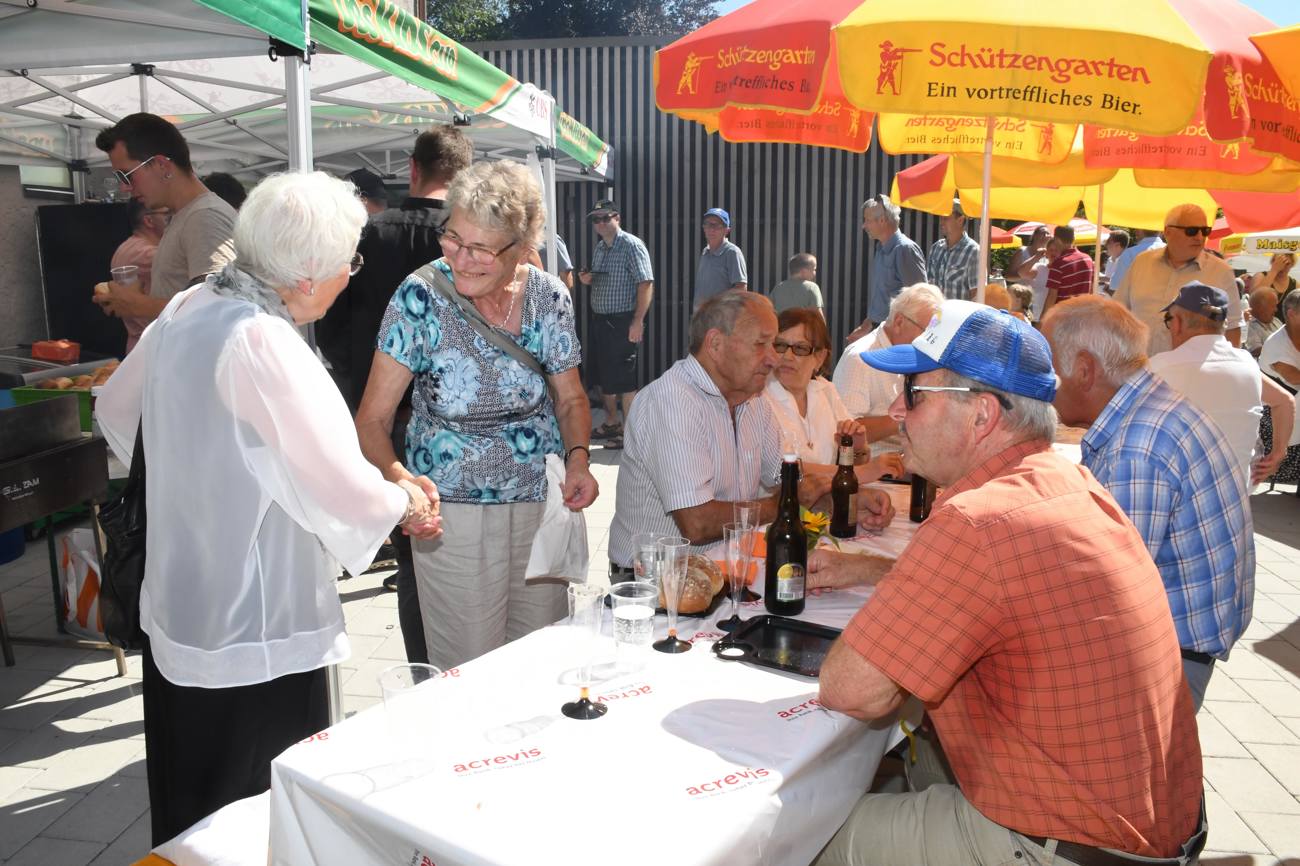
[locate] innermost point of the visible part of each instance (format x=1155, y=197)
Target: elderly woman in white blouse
x=808, y=407
x=255, y=489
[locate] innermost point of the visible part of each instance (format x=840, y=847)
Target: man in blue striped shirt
x=1168, y=466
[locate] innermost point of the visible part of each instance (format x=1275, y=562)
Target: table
x=717, y=762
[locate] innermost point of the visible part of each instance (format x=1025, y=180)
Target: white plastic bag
x=560, y=546
x=79, y=577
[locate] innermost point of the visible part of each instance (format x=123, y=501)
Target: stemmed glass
x=737, y=543
x=748, y=513
x=586, y=613
x=672, y=578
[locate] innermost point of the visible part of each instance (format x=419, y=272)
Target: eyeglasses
x=597, y=220
x=124, y=177
x=1192, y=231
x=909, y=392
x=479, y=255
x=1169, y=317
x=357, y=263
x=802, y=350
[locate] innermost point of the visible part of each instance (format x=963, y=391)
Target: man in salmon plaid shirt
x=1028, y=618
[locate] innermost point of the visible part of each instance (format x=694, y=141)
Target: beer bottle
x=922, y=498
x=844, y=493
x=787, y=548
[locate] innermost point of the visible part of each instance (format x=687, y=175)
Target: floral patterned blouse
x=482, y=423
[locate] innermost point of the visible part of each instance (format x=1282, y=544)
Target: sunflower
x=815, y=524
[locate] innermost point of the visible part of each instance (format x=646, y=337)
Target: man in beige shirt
x=152, y=163
x=1153, y=279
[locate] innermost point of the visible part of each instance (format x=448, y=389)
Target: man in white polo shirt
x=701, y=436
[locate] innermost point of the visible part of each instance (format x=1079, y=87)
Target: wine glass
x=748, y=513
x=673, y=551
x=737, y=541
x=586, y=613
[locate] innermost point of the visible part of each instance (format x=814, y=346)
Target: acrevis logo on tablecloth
x=319, y=737
x=634, y=691
x=798, y=711
x=498, y=762
x=380, y=22
x=728, y=783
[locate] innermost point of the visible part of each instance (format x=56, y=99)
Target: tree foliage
x=475, y=20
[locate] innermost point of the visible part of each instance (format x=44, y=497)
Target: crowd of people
x=1059, y=621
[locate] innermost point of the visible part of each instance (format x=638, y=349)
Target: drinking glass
x=673, y=551
x=737, y=544
x=634, y=603
x=586, y=612
x=645, y=557
x=409, y=705
x=748, y=513
x=126, y=275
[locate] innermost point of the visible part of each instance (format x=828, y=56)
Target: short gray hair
x=890, y=211
x=1035, y=418
x=1103, y=328
x=722, y=311
x=917, y=302
x=500, y=196
x=1290, y=304
x=298, y=226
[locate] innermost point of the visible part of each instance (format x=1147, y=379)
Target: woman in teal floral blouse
x=482, y=421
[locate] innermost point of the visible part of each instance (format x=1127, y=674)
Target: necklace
x=512, y=291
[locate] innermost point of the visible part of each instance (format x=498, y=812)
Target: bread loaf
x=703, y=581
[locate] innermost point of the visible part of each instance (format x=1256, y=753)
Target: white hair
x=1103, y=328
x=890, y=211
x=917, y=302
x=298, y=226
x=1037, y=418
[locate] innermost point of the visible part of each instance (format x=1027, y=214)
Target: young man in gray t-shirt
x=800, y=288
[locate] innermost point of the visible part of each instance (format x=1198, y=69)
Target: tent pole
x=984, y=210
x=1096, y=250
x=297, y=93
x=144, y=92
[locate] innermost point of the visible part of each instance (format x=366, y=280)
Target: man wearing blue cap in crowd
x=722, y=264
x=1028, y=617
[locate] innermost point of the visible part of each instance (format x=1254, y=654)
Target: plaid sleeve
x=641, y=267
x=1141, y=488
x=936, y=613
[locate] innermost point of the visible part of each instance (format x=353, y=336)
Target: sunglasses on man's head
x=910, y=389
x=1192, y=231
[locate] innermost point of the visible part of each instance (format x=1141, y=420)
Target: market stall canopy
x=1263, y=243
x=57, y=51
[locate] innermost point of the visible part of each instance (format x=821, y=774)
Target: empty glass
x=737, y=545
x=586, y=612
x=747, y=512
x=673, y=551
x=634, y=603
x=645, y=557
x=409, y=704
x=126, y=275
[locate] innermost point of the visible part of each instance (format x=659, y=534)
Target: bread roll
x=101, y=288
x=60, y=383
x=703, y=581
x=83, y=381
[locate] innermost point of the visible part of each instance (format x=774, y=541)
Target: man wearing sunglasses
x=1028, y=617
x=1153, y=279
x=152, y=162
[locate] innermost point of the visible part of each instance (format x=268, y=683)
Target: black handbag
x=123, y=520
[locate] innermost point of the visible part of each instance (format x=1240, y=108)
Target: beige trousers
x=473, y=596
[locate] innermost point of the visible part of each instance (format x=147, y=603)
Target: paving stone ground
x=72, y=782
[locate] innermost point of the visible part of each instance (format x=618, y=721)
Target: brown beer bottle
x=922, y=498
x=787, y=548
x=844, y=493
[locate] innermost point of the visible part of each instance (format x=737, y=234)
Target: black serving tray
x=789, y=645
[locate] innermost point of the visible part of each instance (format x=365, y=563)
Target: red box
x=63, y=351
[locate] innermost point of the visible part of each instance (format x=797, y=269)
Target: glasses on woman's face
x=1192, y=231
x=910, y=389
x=452, y=244
x=124, y=177
x=356, y=264
x=801, y=350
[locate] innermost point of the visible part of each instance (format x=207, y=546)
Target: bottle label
x=790, y=582
x=846, y=455
x=853, y=509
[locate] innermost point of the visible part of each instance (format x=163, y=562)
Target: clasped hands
x=422, y=518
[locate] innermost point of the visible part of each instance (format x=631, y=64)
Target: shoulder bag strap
x=475, y=320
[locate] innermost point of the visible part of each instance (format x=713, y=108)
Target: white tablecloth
x=698, y=761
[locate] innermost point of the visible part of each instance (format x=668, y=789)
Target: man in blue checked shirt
x=954, y=261
x=1168, y=466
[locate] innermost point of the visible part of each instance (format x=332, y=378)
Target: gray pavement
x=72, y=788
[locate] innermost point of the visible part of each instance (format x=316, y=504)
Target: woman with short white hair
x=490, y=344
x=255, y=485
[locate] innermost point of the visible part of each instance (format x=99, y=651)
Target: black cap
x=603, y=207
x=369, y=184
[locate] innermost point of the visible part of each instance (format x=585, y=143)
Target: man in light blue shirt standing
x=722, y=264
x=897, y=263
x=1169, y=467
x=1145, y=240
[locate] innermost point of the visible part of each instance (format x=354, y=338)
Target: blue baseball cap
x=981, y=343
x=1206, y=300
x=720, y=214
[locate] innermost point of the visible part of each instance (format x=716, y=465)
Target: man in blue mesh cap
x=722, y=264
x=1028, y=618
